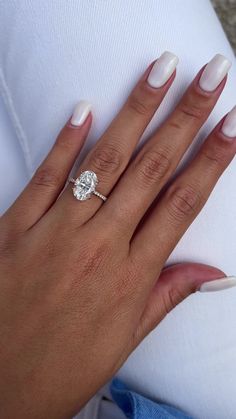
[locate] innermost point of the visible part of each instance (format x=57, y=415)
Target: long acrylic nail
x=218, y=284
x=80, y=113
x=229, y=125
x=214, y=72
x=162, y=69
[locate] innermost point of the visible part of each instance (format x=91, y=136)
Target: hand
x=79, y=280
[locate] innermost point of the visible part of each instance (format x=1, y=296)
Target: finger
x=160, y=156
x=184, y=199
x=110, y=156
x=175, y=284
x=49, y=179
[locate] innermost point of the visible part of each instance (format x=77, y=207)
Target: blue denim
x=136, y=406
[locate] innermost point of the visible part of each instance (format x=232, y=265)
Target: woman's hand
x=79, y=280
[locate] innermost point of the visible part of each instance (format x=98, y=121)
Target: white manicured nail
x=218, y=284
x=80, y=113
x=214, y=73
x=162, y=69
x=229, y=126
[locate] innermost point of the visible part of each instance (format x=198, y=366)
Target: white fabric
x=53, y=54
x=99, y=408
x=13, y=172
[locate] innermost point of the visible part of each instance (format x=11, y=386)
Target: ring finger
x=110, y=156
x=185, y=198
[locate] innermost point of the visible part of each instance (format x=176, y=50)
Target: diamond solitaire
x=85, y=186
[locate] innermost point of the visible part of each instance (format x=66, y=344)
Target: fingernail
x=229, y=125
x=218, y=284
x=80, y=113
x=162, y=69
x=214, y=73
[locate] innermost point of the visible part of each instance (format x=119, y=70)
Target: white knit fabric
x=55, y=53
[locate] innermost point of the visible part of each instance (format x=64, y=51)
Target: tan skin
x=82, y=283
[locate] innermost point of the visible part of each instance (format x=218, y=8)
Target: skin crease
x=82, y=283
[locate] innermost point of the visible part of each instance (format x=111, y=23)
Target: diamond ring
x=85, y=186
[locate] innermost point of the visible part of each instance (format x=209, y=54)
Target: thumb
x=175, y=284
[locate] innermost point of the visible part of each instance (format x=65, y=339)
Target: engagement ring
x=85, y=186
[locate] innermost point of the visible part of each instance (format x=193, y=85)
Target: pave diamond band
x=100, y=195
x=85, y=186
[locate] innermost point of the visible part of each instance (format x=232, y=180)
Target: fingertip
x=192, y=275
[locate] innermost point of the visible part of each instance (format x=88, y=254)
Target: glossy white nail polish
x=80, y=113
x=162, y=69
x=214, y=73
x=218, y=284
x=229, y=126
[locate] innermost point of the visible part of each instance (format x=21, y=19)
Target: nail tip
x=162, y=69
x=220, y=284
x=229, y=125
x=170, y=53
x=81, y=111
x=222, y=57
x=84, y=103
x=214, y=72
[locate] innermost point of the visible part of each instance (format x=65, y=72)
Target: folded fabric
x=136, y=406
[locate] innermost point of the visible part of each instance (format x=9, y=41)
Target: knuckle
x=154, y=166
x=184, y=202
x=5, y=240
x=172, y=298
x=64, y=141
x=193, y=111
x=107, y=159
x=138, y=106
x=46, y=177
x=126, y=280
x=215, y=156
x=94, y=256
x=125, y=286
x=9, y=239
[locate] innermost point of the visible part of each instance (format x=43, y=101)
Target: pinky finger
x=51, y=176
x=184, y=199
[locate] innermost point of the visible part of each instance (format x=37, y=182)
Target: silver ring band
x=85, y=186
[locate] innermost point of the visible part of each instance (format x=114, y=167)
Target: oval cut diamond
x=85, y=185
